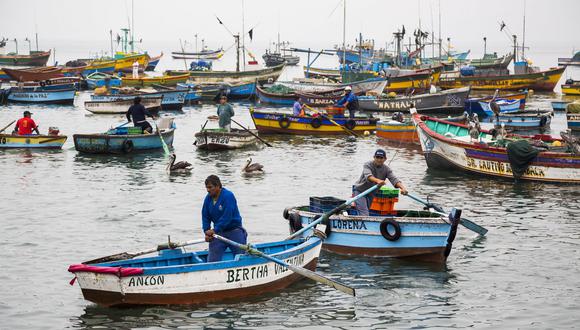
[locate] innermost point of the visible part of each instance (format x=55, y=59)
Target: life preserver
x=385, y=230
x=128, y=146
x=286, y=213
x=284, y=122
x=350, y=124
x=543, y=121
x=42, y=84
x=295, y=222
x=316, y=122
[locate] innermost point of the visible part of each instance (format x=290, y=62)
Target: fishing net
x=279, y=89
x=520, y=154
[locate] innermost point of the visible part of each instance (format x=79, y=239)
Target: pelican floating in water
x=179, y=167
x=252, y=168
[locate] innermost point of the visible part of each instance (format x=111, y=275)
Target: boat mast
x=132, y=26
x=484, y=46
x=344, y=35
x=111, y=37
x=36, y=34
x=440, y=40
x=360, y=55
x=196, y=42
x=524, y=34
x=515, y=48
x=237, y=37
x=243, y=38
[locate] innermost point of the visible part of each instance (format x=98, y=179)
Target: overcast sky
x=552, y=26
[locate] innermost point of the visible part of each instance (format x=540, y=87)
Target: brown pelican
x=252, y=168
x=179, y=167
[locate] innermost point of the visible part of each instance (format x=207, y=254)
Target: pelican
x=252, y=168
x=179, y=167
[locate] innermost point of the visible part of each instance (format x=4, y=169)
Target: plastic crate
x=383, y=205
x=386, y=192
x=134, y=130
x=324, y=204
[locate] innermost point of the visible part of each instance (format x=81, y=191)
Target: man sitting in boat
x=375, y=172
x=350, y=101
x=137, y=113
x=225, y=112
x=297, y=108
x=221, y=208
x=25, y=125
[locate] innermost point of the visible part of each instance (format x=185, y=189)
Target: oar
x=337, y=209
x=5, y=127
x=439, y=210
x=51, y=140
x=247, y=130
x=296, y=269
x=122, y=125
x=353, y=133
x=131, y=255
x=165, y=147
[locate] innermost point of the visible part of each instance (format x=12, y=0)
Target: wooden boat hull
x=153, y=61
x=9, y=141
x=54, y=84
x=419, y=82
x=424, y=235
x=242, y=90
x=505, y=106
x=171, y=100
x=331, y=74
x=116, y=144
x=213, y=139
x=526, y=119
x=124, y=63
x=275, y=123
x=571, y=89
x=197, y=282
x=34, y=59
x=397, y=131
x=36, y=74
x=211, y=55
x=321, y=100
x=445, y=102
x=48, y=97
x=275, y=98
x=539, y=81
x=151, y=81
x=121, y=106
x=95, y=80
x=261, y=76
x=573, y=121
x=373, y=85
x=457, y=152
x=559, y=105
x=472, y=105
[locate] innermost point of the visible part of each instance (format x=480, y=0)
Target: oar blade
x=114, y=257
x=321, y=279
x=473, y=227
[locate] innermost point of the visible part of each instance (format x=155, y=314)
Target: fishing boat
x=176, y=276
x=34, y=74
x=153, y=61
x=444, y=102
x=207, y=54
x=571, y=87
x=472, y=105
x=242, y=90
x=220, y=139
x=559, y=105
x=330, y=74
x=50, y=84
x=410, y=234
x=395, y=130
x=321, y=99
x=490, y=61
x=284, y=123
x=203, y=92
x=573, y=61
x=373, y=86
x=525, y=119
x=540, y=81
x=266, y=96
x=35, y=58
x=172, y=99
x=573, y=116
x=262, y=76
x=123, y=141
x=165, y=80
x=121, y=106
x=100, y=79
x=273, y=58
x=505, y=106
x=65, y=96
x=448, y=145
x=11, y=141
x=81, y=68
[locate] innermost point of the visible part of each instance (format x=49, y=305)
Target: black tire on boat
x=128, y=146
x=316, y=122
x=350, y=124
x=385, y=232
x=543, y=121
x=295, y=222
x=286, y=213
x=284, y=122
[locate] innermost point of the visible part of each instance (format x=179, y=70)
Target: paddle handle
x=5, y=127
x=247, y=130
x=327, y=215
x=122, y=125
x=334, y=122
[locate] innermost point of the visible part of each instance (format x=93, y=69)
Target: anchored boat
x=262, y=76
x=172, y=99
x=165, y=80
x=64, y=96
x=10, y=141
x=121, y=106
x=220, y=139
x=445, y=102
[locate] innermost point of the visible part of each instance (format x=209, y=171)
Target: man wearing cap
x=25, y=125
x=350, y=101
x=375, y=172
x=225, y=113
x=138, y=114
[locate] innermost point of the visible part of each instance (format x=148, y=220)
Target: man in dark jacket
x=137, y=114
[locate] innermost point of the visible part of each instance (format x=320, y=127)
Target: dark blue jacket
x=352, y=100
x=224, y=214
x=138, y=113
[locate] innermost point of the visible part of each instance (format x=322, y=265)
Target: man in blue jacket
x=350, y=101
x=221, y=208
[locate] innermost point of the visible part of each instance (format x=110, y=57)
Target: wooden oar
x=439, y=210
x=337, y=209
x=296, y=269
x=247, y=130
x=122, y=125
x=51, y=140
x=165, y=147
x=131, y=255
x=5, y=127
x=353, y=133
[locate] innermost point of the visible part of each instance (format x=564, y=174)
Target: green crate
x=134, y=130
x=387, y=192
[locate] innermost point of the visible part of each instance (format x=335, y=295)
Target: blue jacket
x=224, y=214
x=352, y=100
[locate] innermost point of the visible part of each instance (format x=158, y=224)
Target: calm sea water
x=61, y=207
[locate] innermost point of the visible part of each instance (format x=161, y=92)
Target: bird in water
x=179, y=167
x=252, y=168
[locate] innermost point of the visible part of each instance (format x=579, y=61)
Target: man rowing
x=137, y=113
x=25, y=125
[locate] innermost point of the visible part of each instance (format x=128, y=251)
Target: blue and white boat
x=559, y=105
x=525, y=119
x=100, y=79
x=176, y=276
x=242, y=90
x=505, y=106
x=54, y=84
x=172, y=99
x=65, y=96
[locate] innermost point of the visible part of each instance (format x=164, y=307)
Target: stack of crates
x=384, y=202
x=324, y=204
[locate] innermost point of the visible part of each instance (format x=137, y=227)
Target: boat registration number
x=220, y=140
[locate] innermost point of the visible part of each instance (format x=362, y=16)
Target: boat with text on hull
x=220, y=139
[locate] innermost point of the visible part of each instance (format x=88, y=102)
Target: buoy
x=367, y=133
x=557, y=143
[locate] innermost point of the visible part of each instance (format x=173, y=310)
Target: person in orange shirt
x=25, y=125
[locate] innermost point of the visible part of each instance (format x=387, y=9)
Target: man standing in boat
x=298, y=108
x=375, y=172
x=225, y=113
x=25, y=125
x=350, y=101
x=137, y=113
x=221, y=208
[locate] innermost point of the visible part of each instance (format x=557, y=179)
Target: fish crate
x=324, y=204
x=386, y=192
x=383, y=206
x=134, y=130
x=335, y=111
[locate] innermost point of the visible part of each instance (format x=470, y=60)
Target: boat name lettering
x=319, y=101
x=295, y=261
x=394, y=105
x=349, y=224
x=147, y=280
x=501, y=168
x=220, y=139
x=32, y=95
x=245, y=274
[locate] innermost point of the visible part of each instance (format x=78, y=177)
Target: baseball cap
x=27, y=112
x=348, y=88
x=380, y=153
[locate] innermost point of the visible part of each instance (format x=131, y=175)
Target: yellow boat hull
x=150, y=81
x=570, y=90
x=542, y=81
x=9, y=141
